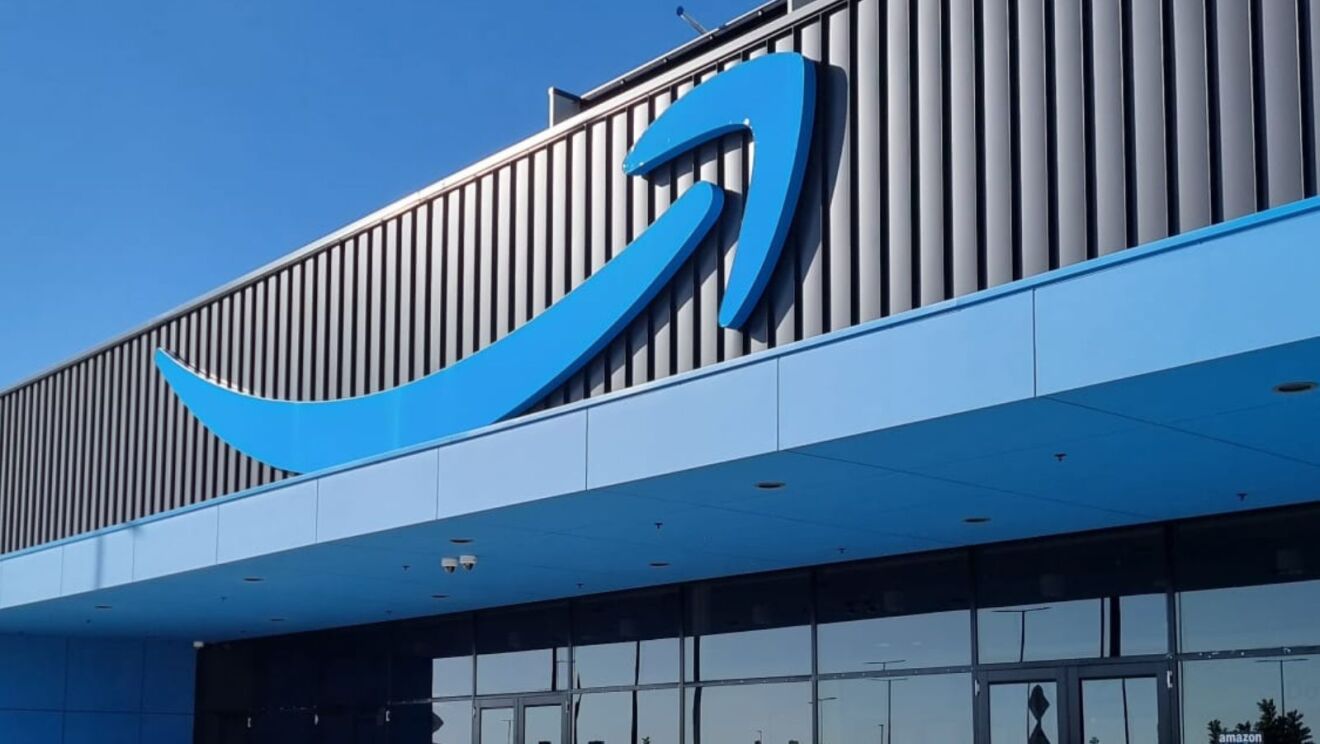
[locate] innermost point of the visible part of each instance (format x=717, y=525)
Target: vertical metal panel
x=870, y=164
x=1282, y=112
x=1235, y=113
x=996, y=145
x=1192, y=114
x=1109, y=153
x=1150, y=202
x=1068, y=154
x=1031, y=191
x=958, y=143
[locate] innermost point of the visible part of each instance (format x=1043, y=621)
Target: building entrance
x=527, y=719
x=1103, y=703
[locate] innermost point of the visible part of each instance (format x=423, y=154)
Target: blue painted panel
x=1233, y=293
x=377, y=497
x=168, y=677
x=105, y=675
x=97, y=562
x=166, y=729
x=33, y=672
x=550, y=458
x=31, y=727
x=934, y=366
x=102, y=728
x=1030, y=423
x=179, y=543
x=267, y=522
x=702, y=421
x=31, y=577
x=1152, y=471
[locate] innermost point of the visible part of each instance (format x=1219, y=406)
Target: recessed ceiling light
x=1294, y=386
x=103, y=607
x=277, y=619
x=976, y=520
x=460, y=540
x=770, y=485
x=439, y=596
x=659, y=564
x=253, y=579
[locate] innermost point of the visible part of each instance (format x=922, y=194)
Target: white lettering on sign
x=1241, y=739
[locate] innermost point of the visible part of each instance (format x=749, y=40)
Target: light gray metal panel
x=869, y=166
x=540, y=242
x=1282, y=112
x=375, y=311
x=811, y=296
x=1192, y=114
x=620, y=233
x=597, y=206
x=733, y=173
x=421, y=283
x=961, y=162
x=1109, y=162
x=435, y=287
x=1032, y=189
x=783, y=288
x=639, y=332
x=1069, y=147
x=661, y=310
x=1235, y=112
x=503, y=274
x=362, y=330
x=522, y=243
x=706, y=320
x=929, y=135
x=471, y=270
x=996, y=144
x=487, y=270
x=1149, y=161
x=453, y=277
x=685, y=281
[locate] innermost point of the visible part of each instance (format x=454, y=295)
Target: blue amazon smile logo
x=772, y=96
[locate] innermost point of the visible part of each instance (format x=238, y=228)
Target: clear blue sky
x=151, y=150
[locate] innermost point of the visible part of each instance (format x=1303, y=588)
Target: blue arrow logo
x=772, y=96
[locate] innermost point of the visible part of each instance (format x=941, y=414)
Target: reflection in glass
x=749, y=714
x=1024, y=713
x=897, y=614
x=1083, y=628
x=627, y=639
x=1264, y=616
x=649, y=716
x=928, y=709
x=522, y=649
x=496, y=726
x=543, y=724
x=431, y=658
x=452, y=722
x=449, y=722
x=1120, y=711
x=749, y=628
x=1277, y=698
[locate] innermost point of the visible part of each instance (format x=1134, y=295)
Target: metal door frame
x=1067, y=678
x=518, y=705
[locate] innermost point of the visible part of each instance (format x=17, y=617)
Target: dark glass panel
x=1025, y=713
x=749, y=627
x=291, y=669
x=1120, y=710
x=431, y=658
x=227, y=675
x=222, y=728
x=351, y=727
x=649, y=716
x=772, y=713
x=1249, y=582
x=283, y=727
x=930, y=709
x=894, y=614
x=354, y=668
x=626, y=639
x=1273, y=697
x=1075, y=597
x=523, y=649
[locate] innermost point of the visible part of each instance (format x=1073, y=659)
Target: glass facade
x=1196, y=632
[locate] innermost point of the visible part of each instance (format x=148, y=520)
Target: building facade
x=1013, y=442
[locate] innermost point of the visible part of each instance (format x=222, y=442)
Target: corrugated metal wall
x=960, y=144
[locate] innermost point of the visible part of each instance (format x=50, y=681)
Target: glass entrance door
x=1083, y=704
x=539, y=719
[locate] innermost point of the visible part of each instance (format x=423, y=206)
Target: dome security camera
x=450, y=565
x=467, y=561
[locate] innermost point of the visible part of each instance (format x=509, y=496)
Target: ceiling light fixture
x=439, y=596
x=1294, y=387
x=460, y=540
x=659, y=564
x=277, y=619
x=253, y=579
x=770, y=485
x=103, y=607
x=976, y=520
